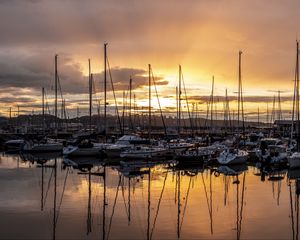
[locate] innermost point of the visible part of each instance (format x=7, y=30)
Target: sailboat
x=46, y=145
x=230, y=155
x=123, y=143
x=146, y=152
x=86, y=148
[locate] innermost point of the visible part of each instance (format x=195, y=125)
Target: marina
x=149, y=120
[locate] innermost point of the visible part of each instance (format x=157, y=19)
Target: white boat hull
x=294, y=160
x=82, y=152
x=227, y=158
x=144, y=154
x=48, y=147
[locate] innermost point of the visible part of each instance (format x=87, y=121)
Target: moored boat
x=232, y=156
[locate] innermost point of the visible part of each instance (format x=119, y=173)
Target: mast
x=149, y=124
x=179, y=102
x=279, y=117
x=258, y=117
x=90, y=96
x=295, y=114
x=212, y=103
x=227, y=122
x=240, y=94
x=105, y=87
x=123, y=113
x=130, y=90
x=43, y=108
x=267, y=114
x=56, y=85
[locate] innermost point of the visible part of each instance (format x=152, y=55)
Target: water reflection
x=87, y=198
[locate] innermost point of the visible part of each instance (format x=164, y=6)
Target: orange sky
x=203, y=36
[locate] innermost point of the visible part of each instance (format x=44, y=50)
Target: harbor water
x=46, y=199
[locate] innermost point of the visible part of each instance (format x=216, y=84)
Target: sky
x=203, y=36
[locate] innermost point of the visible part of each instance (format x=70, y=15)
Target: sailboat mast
x=297, y=96
x=149, y=110
x=296, y=99
x=212, y=103
x=179, y=101
x=90, y=96
x=43, y=108
x=258, y=117
x=240, y=94
x=105, y=86
x=130, y=90
x=279, y=117
x=55, y=86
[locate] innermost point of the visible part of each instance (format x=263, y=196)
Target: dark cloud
x=266, y=99
x=22, y=100
x=36, y=70
x=121, y=77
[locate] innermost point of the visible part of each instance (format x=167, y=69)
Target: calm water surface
x=51, y=201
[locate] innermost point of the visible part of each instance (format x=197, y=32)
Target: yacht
x=125, y=142
x=232, y=156
x=85, y=149
x=14, y=145
x=46, y=145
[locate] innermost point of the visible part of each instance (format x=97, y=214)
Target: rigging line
x=161, y=113
x=47, y=103
x=158, y=205
x=61, y=95
x=59, y=86
x=187, y=104
x=114, y=205
x=186, y=201
x=62, y=195
x=112, y=86
x=95, y=93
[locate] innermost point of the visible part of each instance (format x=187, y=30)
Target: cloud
x=20, y=70
x=252, y=99
x=121, y=76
